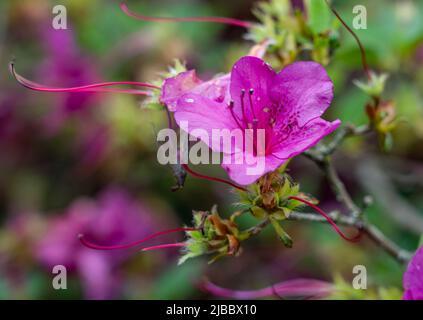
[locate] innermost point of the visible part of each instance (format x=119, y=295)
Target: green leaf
x=319, y=16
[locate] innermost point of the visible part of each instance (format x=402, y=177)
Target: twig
x=253, y=231
x=321, y=155
x=339, y=188
x=368, y=229
x=343, y=133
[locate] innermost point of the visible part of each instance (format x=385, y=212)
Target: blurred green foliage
x=40, y=171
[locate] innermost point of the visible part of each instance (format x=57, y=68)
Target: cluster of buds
x=295, y=30
x=212, y=235
x=381, y=113
x=274, y=197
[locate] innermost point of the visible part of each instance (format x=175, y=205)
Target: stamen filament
x=96, y=87
x=201, y=176
x=222, y=20
x=126, y=246
x=357, y=39
x=231, y=108
x=250, y=97
x=163, y=246
x=331, y=222
x=244, y=117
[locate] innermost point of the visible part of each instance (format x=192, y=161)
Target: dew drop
x=189, y=100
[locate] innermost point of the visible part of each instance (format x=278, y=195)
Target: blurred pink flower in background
x=114, y=218
x=65, y=65
x=308, y=288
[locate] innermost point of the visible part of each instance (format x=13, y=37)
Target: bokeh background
x=86, y=163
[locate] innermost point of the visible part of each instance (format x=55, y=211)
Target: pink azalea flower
x=413, y=277
x=287, y=106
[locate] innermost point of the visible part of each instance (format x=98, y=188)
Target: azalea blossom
x=413, y=277
x=286, y=106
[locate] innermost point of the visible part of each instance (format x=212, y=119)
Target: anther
x=231, y=108
x=244, y=117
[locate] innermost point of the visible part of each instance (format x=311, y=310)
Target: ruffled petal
x=216, y=89
x=413, y=277
x=245, y=172
x=251, y=73
x=173, y=88
x=202, y=117
x=301, y=139
x=304, y=90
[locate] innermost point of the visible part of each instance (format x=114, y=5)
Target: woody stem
x=321, y=156
x=372, y=232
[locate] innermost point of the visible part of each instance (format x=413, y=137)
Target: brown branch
x=371, y=231
x=321, y=156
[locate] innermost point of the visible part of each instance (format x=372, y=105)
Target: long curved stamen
x=357, y=39
x=331, y=222
x=250, y=98
x=201, y=176
x=163, y=246
x=231, y=108
x=244, y=116
x=222, y=20
x=96, y=87
x=129, y=245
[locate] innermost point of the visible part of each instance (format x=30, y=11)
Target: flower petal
x=304, y=89
x=413, y=277
x=243, y=173
x=251, y=73
x=200, y=117
x=304, y=138
x=174, y=88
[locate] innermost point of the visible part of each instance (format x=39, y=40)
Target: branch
x=321, y=156
x=374, y=180
x=343, y=133
x=325, y=163
x=368, y=229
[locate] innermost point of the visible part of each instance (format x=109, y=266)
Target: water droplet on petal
x=189, y=100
